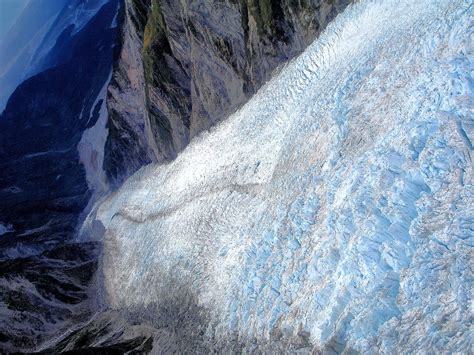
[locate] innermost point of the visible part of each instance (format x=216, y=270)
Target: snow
x=5, y=228
x=338, y=202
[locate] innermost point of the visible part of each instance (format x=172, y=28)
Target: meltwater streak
x=332, y=212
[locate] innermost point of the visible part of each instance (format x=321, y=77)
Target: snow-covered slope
x=334, y=211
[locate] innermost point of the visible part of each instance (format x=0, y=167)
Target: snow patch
x=6, y=228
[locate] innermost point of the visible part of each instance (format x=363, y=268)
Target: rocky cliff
x=186, y=65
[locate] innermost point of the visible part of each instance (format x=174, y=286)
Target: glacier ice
x=334, y=211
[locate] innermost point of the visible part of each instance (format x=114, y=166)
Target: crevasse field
x=334, y=211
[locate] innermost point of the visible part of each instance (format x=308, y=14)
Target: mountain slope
x=187, y=65
x=43, y=183
x=18, y=46
x=44, y=176
x=333, y=212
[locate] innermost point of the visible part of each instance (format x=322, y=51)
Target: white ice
x=338, y=201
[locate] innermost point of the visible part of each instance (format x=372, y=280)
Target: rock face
x=44, y=295
x=186, y=65
x=333, y=213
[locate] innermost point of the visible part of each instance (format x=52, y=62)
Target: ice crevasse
x=334, y=211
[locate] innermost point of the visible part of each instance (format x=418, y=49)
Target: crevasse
x=333, y=212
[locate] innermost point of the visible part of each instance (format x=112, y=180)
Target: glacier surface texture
x=333, y=212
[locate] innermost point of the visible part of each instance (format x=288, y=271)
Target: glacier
x=334, y=212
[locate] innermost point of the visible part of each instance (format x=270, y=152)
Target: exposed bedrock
x=186, y=65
